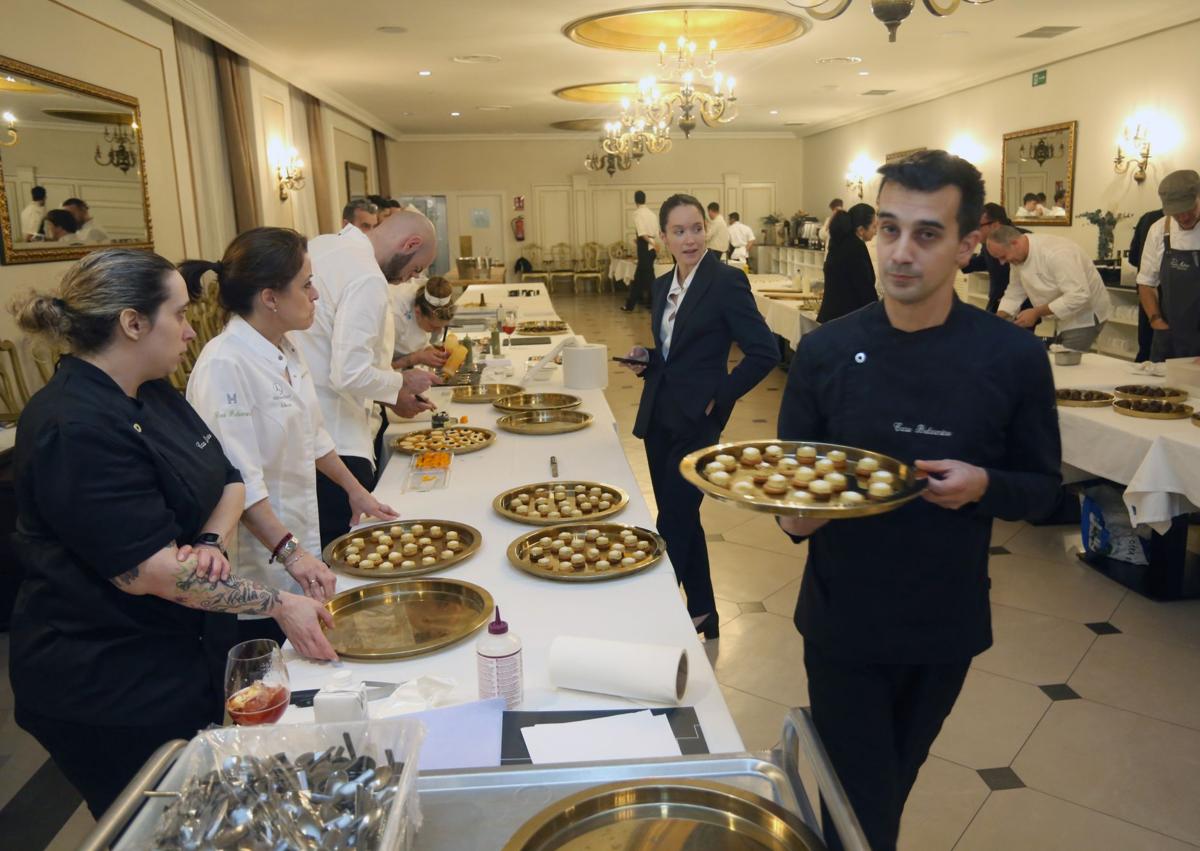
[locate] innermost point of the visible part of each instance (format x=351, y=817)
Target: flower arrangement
x=1106, y=223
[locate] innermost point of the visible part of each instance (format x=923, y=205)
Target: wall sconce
x=1133, y=148
x=288, y=167
x=859, y=174
x=11, y=121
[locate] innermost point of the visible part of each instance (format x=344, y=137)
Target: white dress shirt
x=675, y=298
x=718, y=235
x=31, y=220
x=645, y=223
x=1152, y=251
x=92, y=233
x=410, y=337
x=740, y=236
x=349, y=346
x=1057, y=272
x=261, y=404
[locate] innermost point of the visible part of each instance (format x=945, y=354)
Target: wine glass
x=508, y=323
x=257, y=688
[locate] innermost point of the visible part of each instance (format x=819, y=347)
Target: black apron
x=1179, y=301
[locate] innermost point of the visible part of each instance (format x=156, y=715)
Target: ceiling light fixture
x=424, y=73
x=455, y=114
x=774, y=112
x=891, y=13
x=839, y=60
x=864, y=73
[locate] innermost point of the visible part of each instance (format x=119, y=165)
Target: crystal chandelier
x=891, y=12
x=685, y=68
x=120, y=149
x=1041, y=152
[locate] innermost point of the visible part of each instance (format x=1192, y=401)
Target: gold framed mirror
x=1039, y=162
x=68, y=141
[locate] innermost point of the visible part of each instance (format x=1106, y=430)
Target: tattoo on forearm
x=127, y=578
x=237, y=595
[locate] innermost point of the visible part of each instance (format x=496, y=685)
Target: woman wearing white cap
x=421, y=308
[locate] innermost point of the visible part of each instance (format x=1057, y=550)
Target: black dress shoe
x=626, y=308
x=710, y=627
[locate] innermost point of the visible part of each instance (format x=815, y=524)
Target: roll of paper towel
x=585, y=366
x=623, y=668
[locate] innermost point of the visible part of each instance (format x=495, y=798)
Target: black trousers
x=250, y=629
x=100, y=761
x=643, y=276
x=877, y=723
x=679, y=510
x=333, y=505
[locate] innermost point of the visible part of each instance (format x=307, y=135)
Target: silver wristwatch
x=287, y=550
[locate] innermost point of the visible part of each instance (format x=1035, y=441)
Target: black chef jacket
x=911, y=586
x=103, y=482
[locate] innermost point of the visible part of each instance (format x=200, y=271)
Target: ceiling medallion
x=891, y=12
x=587, y=125
x=614, y=92
x=642, y=29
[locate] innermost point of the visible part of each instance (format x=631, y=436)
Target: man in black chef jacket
x=893, y=607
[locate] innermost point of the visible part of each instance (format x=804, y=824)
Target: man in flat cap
x=1169, y=275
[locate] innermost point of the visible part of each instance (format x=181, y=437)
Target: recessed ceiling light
x=864, y=73
x=406, y=114
x=498, y=107
x=455, y=114
x=477, y=59
x=839, y=60
x=392, y=30
x=424, y=73
x=774, y=112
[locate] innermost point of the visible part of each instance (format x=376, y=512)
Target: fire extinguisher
x=518, y=228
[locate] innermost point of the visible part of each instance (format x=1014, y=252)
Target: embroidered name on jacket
x=922, y=429
x=204, y=441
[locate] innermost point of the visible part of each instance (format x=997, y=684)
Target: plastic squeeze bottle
x=498, y=658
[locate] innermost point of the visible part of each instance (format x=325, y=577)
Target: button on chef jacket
x=261, y=404
x=410, y=337
x=349, y=346
x=103, y=482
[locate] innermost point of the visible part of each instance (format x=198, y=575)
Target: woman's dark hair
x=258, y=259
x=678, y=200
x=845, y=224
x=439, y=288
x=63, y=220
x=929, y=171
x=93, y=293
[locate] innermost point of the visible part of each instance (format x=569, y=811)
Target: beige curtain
x=381, y=163
x=233, y=81
x=322, y=182
x=304, y=203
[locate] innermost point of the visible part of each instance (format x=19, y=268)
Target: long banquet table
x=646, y=607
x=784, y=317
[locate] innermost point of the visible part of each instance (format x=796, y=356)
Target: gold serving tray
x=666, y=814
x=483, y=393
x=544, y=422
x=1082, y=403
x=506, y=502
x=405, y=617
x=545, y=326
x=1187, y=411
x=908, y=484
x=537, y=402
x=1125, y=391
x=469, y=538
x=488, y=438
x=523, y=556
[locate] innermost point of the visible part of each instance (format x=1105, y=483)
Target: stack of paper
x=633, y=735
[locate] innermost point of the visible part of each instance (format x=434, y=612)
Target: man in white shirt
x=349, y=347
x=32, y=215
x=89, y=231
x=1169, y=274
x=1030, y=208
x=741, y=237
x=1059, y=209
x=834, y=205
x=1059, y=280
x=718, y=231
x=645, y=225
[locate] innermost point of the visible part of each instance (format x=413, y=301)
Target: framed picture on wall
x=356, y=181
x=518, y=202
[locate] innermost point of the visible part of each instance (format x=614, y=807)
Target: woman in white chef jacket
x=253, y=389
x=421, y=308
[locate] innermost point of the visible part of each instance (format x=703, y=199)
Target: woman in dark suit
x=849, y=275
x=699, y=310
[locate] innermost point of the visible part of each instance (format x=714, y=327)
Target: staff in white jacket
x=350, y=345
x=253, y=389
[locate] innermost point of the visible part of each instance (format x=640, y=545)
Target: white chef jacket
x=740, y=236
x=718, y=235
x=410, y=337
x=671, y=313
x=92, y=233
x=645, y=223
x=349, y=346
x=1057, y=272
x=31, y=220
x=271, y=430
x=1152, y=251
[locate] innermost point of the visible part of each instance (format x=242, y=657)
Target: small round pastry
x=545, y=542
x=410, y=549
x=628, y=537
x=837, y=481
x=820, y=490
x=594, y=490
x=408, y=565
x=643, y=545
x=386, y=540
x=543, y=510
x=407, y=538
x=851, y=498
x=351, y=551
x=435, y=531
x=591, y=534
x=428, y=561
x=602, y=541
x=628, y=562
x=418, y=529
x=605, y=504
x=776, y=484
x=372, y=560
x=603, y=564
x=523, y=510
x=353, y=559
x=591, y=553
x=368, y=564
x=713, y=466
x=585, y=507
x=879, y=490
x=446, y=554
x=452, y=535
x=864, y=467
x=454, y=546
x=751, y=456
x=614, y=555
x=395, y=557
x=423, y=542
x=788, y=465
x=743, y=487
x=543, y=562
x=576, y=513
x=802, y=497
x=884, y=476
x=359, y=542
x=536, y=552
x=565, y=536
x=638, y=555
x=396, y=531
x=806, y=455
x=428, y=550
x=580, y=488
x=838, y=457
x=554, y=515
x=565, y=552
x=720, y=478
x=377, y=534
x=577, y=560
x=728, y=462
x=803, y=477
x=540, y=490
x=823, y=467
x=579, y=544
x=773, y=453
x=383, y=549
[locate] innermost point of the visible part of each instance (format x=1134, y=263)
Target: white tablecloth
x=537, y=304
x=622, y=269
x=1157, y=460
x=646, y=607
x=784, y=318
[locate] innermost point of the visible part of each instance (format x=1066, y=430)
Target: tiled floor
x=1078, y=729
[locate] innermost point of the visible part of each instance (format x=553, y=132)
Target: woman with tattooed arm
x=124, y=501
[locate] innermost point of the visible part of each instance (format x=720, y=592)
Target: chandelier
x=10, y=122
x=891, y=12
x=120, y=143
x=1041, y=152
x=715, y=105
x=603, y=161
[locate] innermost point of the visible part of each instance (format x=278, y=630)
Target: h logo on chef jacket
x=230, y=398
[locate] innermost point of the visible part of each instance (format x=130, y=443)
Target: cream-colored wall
x=348, y=141
x=1099, y=90
x=131, y=49
x=540, y=167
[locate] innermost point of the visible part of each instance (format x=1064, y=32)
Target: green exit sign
x=1039, y=78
